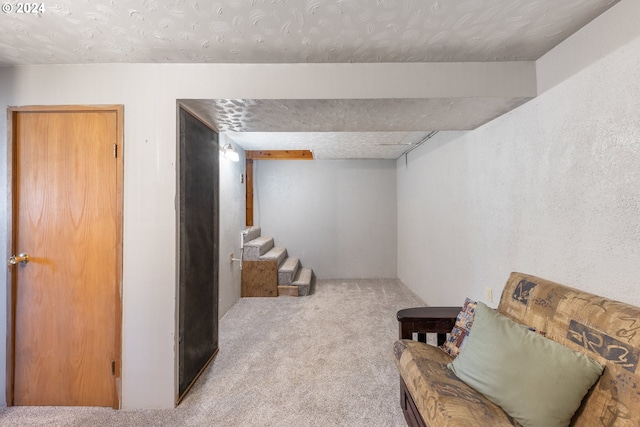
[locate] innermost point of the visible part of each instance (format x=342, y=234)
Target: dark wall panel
x=198, y=281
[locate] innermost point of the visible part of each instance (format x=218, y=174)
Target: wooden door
x=66, y=202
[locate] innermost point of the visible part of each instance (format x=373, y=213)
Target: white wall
x=551, y=188
x=232, y=222
x=605, y=34
x=337, y=216
x=6, y=75
x=599, y=235
x=149, y=93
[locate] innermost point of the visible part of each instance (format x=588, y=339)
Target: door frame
x=12, y=114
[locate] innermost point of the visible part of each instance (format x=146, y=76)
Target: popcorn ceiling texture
x=312, y=31
x=353, y=115
x=333, y=145
x=551, y=188
x=290, y=31
x=346, y=128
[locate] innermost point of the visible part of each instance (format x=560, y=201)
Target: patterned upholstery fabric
x=442, y=399
x=461, y=329
x=605, y=330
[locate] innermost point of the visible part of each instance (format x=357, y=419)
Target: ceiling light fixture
x=230, y=153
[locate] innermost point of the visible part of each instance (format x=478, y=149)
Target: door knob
x=18, y=259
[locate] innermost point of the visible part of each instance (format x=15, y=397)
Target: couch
x=606, y=331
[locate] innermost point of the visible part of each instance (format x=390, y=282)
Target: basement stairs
x=268, y=270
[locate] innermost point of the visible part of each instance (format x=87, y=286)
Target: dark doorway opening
x=198, y=246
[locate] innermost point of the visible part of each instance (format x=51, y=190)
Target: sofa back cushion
x=605, y=330
x=537, y=381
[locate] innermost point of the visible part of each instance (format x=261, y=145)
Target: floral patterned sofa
x=606, y=331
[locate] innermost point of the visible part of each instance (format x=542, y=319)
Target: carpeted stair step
x=303, y=281
x=279, y=254
x=287, y=271
x=250, y=234
x=257, y=247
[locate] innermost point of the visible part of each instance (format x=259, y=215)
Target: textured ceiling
x=284, y=31
x=345, y=128
x=352, y=115
x=303, y=31
x=334, y=145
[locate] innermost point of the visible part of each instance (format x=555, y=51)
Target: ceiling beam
x=279, y=155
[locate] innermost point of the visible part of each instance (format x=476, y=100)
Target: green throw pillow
x=537, y=381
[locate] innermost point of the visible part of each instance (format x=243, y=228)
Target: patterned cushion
x=441, y=398
x=537, y=381
x=460, y=331
x=607, y=331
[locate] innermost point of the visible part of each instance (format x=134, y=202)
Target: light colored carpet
x=321, y=360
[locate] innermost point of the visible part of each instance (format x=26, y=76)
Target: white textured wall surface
x=149, y=93
x=551, y=188
x=337, y=216
x=232, y=222
x=6, y=75
x=608, y=32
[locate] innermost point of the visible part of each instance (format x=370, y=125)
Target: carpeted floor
x=321, y=360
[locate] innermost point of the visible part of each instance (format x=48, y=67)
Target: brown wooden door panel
x=67, y=218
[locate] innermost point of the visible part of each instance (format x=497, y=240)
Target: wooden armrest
x=439, y=320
